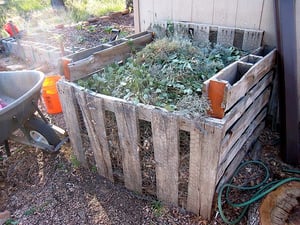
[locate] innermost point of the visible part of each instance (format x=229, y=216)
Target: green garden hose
x=264, y=189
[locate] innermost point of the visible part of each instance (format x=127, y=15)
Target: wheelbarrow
x=19, y=113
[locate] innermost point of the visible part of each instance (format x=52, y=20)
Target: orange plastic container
x=50, y=94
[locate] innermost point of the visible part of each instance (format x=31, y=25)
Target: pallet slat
x=166, y=153
x=98, y=60
x=204, y=156
x=239, y=144
x=69, y=103
x=222, y=176
x=127, y=121
x=236, y=112
x=239, y=127
x=253, y=75
x=97, y=133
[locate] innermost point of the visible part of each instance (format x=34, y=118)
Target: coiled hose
x=264, y=189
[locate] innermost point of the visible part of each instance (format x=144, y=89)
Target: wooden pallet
x=215, y=144
x=239, y=95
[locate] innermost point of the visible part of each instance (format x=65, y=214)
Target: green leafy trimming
x=168, y=73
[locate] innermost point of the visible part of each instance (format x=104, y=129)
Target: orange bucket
x=50, y=94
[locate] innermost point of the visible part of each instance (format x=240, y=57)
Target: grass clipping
x=167, y=73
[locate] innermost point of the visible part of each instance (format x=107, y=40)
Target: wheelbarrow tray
x=20, y=90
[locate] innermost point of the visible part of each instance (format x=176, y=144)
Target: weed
x=91, y=29
x=157, y=207
x=75, y=162
x=30, y=211
x=11, y=222
x=94, y=169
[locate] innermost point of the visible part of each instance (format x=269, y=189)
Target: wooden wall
x=254, y=14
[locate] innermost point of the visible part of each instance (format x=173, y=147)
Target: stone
x=4, y=216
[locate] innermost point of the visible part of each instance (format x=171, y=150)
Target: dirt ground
x=42, y=188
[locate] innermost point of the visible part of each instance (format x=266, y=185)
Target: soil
x=42, y=188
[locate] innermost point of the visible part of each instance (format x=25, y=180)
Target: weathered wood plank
x=69, y=107
x=137, y=19
x=193, y=199
x=165, y=132
x=93, y=114
x=222, y=176
x=241, y=125
x=204, y=156
x=98, y=60
x=238, y=145
x=128, y=132
x=254, y=74
x=236, y=112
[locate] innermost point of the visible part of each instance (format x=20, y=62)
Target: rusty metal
x=287, y=62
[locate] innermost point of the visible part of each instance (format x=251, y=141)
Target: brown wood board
x=165, y=131
x=96, y=131
x=127, y=122
x=69, y=102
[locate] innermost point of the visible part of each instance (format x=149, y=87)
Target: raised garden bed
x=153, y=151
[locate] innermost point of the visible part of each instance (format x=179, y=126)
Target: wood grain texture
x=249, y=79
x=226, y=172
x=165, y=130
x=114, y=54
x=70, y=110
x=234, y=133
x=128, y=132
x=93, y=114
x=204, y=156
x=227, y=158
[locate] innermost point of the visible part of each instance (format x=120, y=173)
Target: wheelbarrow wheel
x=41, y=132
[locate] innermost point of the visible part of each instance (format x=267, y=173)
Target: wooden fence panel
x=93, y=114
x=165, y=131
x=127, y=122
